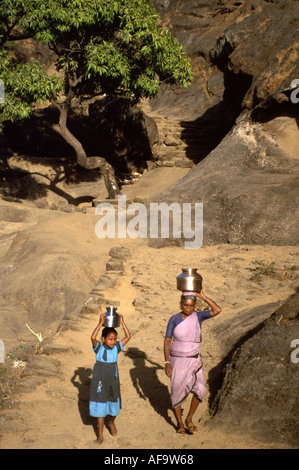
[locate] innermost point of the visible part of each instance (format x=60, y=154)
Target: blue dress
x=105, y=388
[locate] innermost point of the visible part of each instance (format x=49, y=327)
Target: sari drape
x=186, y=361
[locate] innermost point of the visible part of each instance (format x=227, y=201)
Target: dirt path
x=54, y=415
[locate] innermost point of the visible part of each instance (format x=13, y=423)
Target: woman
x=183, y=362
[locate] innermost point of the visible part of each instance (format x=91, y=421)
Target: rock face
x=259, y=391
x=244, y=57
x=244, y=53
x=43, y=280
x=248, y=186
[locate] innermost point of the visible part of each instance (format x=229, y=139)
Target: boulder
x=248, y=185
x=259, y=392
x=264, y=48
x=46, y=271
x=242, y=53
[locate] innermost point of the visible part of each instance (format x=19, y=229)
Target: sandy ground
x=54, y=415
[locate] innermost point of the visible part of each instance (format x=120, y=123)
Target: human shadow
x=81, y=380
x=148, y=385
x=83, y=385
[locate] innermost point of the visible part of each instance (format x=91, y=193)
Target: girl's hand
x=102, y=319
x=121, y=317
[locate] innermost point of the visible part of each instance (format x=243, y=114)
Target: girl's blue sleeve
x=97, y=347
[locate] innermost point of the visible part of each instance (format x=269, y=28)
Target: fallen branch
x=38, y=335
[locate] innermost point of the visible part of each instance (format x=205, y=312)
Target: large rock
x=248, y=185
x=259, y=394
x=264, y=48
x=46, y=271
x=244, y=57
x=242, y=53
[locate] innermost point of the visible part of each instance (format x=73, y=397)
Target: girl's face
x=110, y=340
x=188, y=306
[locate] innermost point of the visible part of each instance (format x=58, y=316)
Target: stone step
x=180, y=142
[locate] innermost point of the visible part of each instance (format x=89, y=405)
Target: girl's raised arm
x=127, y=333
x=97, y=329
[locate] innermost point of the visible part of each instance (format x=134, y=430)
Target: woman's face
x=110, y=340
x=188, y=306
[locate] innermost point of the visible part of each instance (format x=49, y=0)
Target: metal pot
x=189, y=280
x=112, y=318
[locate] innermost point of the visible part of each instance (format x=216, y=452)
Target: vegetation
x=262, y=269
x=102, y=46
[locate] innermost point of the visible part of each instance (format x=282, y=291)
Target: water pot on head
x=189, y=280
x=112, y=318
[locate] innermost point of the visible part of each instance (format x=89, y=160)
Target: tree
x=102, y=46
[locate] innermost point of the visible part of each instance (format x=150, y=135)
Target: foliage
x=262, y=268
x=25, y=85
x=102, y=46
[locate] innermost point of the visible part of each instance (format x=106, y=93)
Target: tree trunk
x=89, y=163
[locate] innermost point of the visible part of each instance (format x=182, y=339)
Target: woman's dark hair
x=188, y=297
x=107, y=330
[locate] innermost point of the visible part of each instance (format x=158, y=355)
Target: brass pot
x=189, y=280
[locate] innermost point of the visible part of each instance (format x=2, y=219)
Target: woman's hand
x=168, y=369
x=201, y=295
x=215, y=309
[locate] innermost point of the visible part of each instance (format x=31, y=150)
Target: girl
x=105, y=397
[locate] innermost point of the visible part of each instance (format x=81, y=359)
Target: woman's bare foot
x=191, y=427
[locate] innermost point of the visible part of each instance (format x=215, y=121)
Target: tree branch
x=73, y=82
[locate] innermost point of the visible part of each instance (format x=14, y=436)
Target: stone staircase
x=178, y=141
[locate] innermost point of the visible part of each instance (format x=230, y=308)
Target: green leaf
x=114, y=46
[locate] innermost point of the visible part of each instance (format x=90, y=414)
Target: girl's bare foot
x=99, y=441
x=112, y=427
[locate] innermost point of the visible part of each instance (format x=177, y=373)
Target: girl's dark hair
x=107, y=330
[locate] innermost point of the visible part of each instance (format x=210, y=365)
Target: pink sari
x=186, y=362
